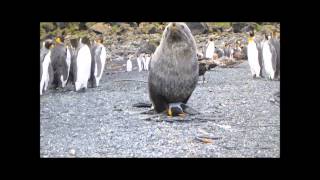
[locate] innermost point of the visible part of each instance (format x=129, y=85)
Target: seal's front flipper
x=150, y=112
x=189, y=110
x=142, y=105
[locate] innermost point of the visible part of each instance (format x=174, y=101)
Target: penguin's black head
x=267, y=36
x=251, y=33
x=74, y=43
x=48, y=43
x=99, y=39
x=85, y=40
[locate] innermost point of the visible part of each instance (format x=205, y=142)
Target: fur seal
x=174, y=68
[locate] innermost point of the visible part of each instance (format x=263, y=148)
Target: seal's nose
x=173, y=24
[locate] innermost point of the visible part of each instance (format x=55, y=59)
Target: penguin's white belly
x=267, y=59
x=103, y=57
x=68, y=60
x=253, y=59
x=45, y=73
x=210, y=50
x=129, y=65
x=83, y=67
x=139, y=63
x=147, y=62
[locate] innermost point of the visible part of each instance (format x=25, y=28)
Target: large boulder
x=239, y=27
x=197, y=27
x=61, y=25
x=48, y=27
x=147, y=47
x=99, y=28
x=152, y=30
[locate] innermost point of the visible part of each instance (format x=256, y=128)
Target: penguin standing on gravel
x=82, y=66
x=140, y=60
x=269, y=55
x=253, y=56
x=98, y=59
x=46, y=70
x=61, y=60
x=147, y=60
x=210, y=48
x=129, y=64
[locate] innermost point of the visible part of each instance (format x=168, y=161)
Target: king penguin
x=147, y=60
x=140, y=60
x=61, y=60
x=269, y=54
x=99, y=56
x=129, y=64
x=82, y=66
x=46, y=71
x=253, y=56
x=210, y=48
x=276, y=44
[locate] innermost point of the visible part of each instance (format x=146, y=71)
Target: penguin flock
x=261, y=54
x=143, y=61
x=264, y=54
x=81, y=64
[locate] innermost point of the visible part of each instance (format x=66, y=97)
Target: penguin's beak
x=169, y=112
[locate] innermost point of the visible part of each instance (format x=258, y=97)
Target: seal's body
x=174, y=69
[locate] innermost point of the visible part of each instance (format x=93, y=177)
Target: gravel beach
x=237, y=119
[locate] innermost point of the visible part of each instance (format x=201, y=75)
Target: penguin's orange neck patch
x=58, y=40
x=250, y=39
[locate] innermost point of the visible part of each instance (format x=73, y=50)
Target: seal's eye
x=182, y=26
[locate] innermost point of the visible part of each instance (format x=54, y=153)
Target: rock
x=72, y=152
x=238, y=55
x=100, y=28
x=83, y=26
x=48, y=27
x=197, y=27
x=216, y=29
x=133, y=24
x=61, y=25
x=153, y=30
x=244, y=52
x=239, y=27
x=147, y=47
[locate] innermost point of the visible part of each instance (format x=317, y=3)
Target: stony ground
x=237, y=119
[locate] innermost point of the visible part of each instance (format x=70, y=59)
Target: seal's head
x=177, y=32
